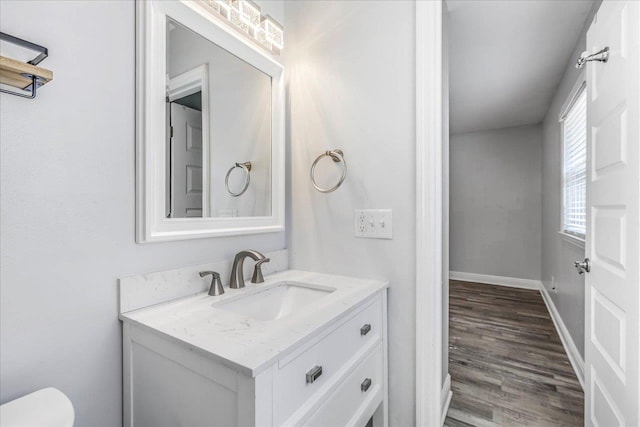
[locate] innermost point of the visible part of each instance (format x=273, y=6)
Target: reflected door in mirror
x=186, y=196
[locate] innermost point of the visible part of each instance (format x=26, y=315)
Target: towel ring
x=337, y=156
x=246, y=167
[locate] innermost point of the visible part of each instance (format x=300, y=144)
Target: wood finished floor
x=507, y=364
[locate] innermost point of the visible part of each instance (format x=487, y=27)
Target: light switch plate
x=373, y=223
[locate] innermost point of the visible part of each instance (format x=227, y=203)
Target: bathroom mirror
x=209, y=127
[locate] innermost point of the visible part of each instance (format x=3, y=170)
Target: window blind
x=574, y=136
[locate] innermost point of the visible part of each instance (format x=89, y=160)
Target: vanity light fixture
x=246, y=16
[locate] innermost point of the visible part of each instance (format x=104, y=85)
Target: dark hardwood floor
x=507, y=364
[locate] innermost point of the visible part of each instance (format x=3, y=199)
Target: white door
x=612, y=298
x=186, y=162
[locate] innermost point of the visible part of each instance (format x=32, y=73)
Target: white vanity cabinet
x=330, y=376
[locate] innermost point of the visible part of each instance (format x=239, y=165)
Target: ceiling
x=507, y=59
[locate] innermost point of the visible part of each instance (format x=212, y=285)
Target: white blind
x=574, y=137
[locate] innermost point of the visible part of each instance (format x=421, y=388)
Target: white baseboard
x=567, y=342
x=511, y=282
x=445, y=399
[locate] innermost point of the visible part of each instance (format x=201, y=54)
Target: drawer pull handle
x=365, y=384
x=365, y=329
x=313, y=374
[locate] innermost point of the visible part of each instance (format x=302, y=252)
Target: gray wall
x=496, y=202
x=344, y=94
x=557, y=254
x=67, y=208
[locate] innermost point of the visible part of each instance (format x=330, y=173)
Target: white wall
x=558, y=255
x=496, y=203
x=351, y=68
x=67, y=208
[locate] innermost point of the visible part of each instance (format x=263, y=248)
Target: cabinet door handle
x=365, y=329
x=313, y=374
x=365, y=384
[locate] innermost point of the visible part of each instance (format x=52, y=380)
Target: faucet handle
x=257, y=271
x=215, y=288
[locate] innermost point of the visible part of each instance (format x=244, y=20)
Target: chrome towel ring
x=246, y=167
x=338, y=157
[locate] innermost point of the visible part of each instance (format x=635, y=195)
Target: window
x=574, y=167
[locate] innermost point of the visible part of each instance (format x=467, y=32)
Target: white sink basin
x=276, y=301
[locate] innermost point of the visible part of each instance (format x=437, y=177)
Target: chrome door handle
x=583, y=266
x=600, y=56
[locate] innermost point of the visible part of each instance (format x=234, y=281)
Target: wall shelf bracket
x=26, y=76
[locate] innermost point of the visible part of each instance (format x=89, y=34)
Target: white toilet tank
x=48, y=407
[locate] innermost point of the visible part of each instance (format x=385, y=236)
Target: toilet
x=48, y=407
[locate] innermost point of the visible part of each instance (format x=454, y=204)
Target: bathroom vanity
x=299, y=349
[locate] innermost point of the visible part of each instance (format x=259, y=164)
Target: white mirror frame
x=151, y=222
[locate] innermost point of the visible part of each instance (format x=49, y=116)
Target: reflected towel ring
x=338, y=157
x=246, y=167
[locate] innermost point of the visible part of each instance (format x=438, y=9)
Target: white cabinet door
x=613, y=218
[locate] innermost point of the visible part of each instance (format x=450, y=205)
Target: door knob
x=583, y=266
x=600, y=56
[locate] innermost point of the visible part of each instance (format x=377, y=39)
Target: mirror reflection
x=219, y=131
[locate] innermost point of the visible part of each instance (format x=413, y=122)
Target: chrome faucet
x=215, y=288
x=237, y=276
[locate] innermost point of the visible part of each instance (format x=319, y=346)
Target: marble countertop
x=241, y=342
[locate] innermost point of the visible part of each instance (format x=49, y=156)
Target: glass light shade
x=224, y=7
x=213, y=4
x=249, y=13
x=261, y=37
x=274, y=31
x=234, y=18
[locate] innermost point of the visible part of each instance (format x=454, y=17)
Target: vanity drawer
x=313, y=370
x=362, y=388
